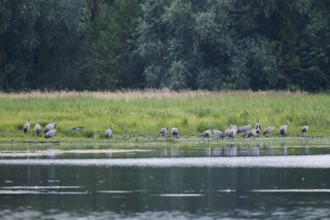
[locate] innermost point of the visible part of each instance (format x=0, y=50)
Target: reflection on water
x=227, y=151
x=305, y=150
x=259, y=182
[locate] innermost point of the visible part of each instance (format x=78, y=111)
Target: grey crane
x=108, y=132
x=226, y=132
x=305, y=128
x=50, y=133
x=243, y=129
x=50, y=126
x=258, y=124
x=268, y=130
x=175, y=132
x=163, y=132
x=284, y=128
x=230, y=132
x=26, y=126
x=217, y=133
x=254, y=133
x=37, y=127
x=207, y=133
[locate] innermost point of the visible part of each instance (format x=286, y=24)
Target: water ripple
x=308, y=161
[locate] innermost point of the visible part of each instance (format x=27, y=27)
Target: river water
x=167, y=183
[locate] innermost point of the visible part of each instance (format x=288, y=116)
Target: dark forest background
x=177, y=44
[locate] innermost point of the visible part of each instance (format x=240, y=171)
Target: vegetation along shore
x=139, y=115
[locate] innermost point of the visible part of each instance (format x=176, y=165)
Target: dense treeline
x=179, y=44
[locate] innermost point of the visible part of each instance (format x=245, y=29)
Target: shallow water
x=169, y=183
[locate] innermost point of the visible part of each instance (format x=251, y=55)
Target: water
x=169, y=183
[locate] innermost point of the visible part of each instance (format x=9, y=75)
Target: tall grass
x=145, y=112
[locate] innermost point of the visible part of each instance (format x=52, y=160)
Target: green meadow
x=141, y=114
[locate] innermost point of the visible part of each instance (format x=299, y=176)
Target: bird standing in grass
x=244, y=128
x=258, y=124
x=37, y=127
x=26, y=126
x=284, y=128
x=268, y=130
x=163, y=132
x=305, y=128
x=50, y=133
x=254, y=133
x=108, y=132
x=207, y=133
x=230, y=132
x=50, y=126
x=175, y=132
x=217, y=133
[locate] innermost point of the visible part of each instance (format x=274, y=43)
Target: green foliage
x=68, y=44
x=109, y=27
x=315, y=52
x=235, y=44
x=175, y=44
x=36, y=36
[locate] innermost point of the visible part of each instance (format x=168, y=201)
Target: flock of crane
x=50, y=130
x=246, y=131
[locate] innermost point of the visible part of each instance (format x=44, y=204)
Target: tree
x=179, y=44
x=38, y=40
x=107, y=61
x=212, y=47
x=261, y=44
x=164, y=44
x=315, y=49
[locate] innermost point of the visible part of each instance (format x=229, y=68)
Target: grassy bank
x=145, y=112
